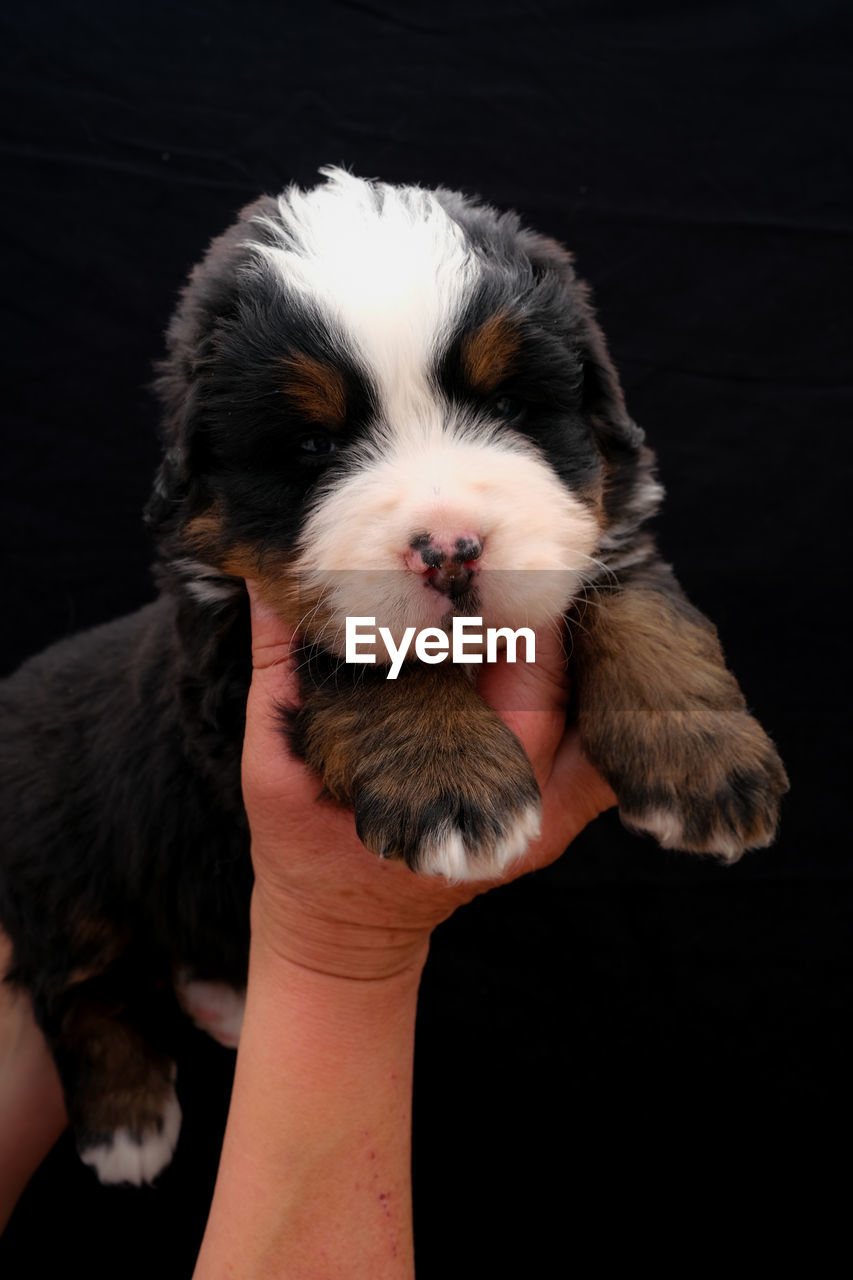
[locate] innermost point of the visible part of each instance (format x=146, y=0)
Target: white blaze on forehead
x=386, y=264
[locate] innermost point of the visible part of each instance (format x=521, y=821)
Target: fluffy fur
x=379, y=401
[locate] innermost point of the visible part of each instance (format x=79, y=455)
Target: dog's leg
x=119, y=1089
x=433, y=774
x=666, y=723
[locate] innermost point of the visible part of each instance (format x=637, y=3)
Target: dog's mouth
x=454, y=581
x=462, y=603
x=453, y=586
x=322, y=604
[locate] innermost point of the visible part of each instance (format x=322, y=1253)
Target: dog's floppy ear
x=603, y=400
x=171, y=487
x=206, y=302
x=188, y=339
x=631, y=491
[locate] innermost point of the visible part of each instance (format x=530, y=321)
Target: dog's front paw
x=465, y=813
x=434, y=776
x=705, y=782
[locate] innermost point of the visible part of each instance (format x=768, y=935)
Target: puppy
x=381, y=403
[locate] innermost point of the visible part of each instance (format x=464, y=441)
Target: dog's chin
x=401, y=606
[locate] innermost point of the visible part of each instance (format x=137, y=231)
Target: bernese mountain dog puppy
x=382, y=403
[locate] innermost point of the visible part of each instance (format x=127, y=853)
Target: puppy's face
x=390, y=402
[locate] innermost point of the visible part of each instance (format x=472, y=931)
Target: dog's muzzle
x=448, y=562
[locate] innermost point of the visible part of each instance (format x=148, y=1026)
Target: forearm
x=315, y=1177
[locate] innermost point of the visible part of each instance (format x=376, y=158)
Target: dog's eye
x=508, y=407
x=317, y=445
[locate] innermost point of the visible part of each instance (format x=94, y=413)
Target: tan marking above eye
x=315, y=389
x=488, y=353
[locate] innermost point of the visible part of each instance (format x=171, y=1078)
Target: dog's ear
x=603, y=400
x=177, y=385
x=206, y=302
x=631, y=491
x=169, y=495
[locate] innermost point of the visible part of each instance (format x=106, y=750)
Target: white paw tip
x=136, y=1159
x=214, y=1007
x=666, y=827
x=449, y=858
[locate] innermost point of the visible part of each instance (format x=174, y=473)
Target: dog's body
x=381, y=402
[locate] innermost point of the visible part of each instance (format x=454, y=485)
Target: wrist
x=288, y=933
x=324, y=1016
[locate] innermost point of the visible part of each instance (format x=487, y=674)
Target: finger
x=531, y=699
x=274, y=686
x=540, y=685
x=272, y=639
x=575, y=794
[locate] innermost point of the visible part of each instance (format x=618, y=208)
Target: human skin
x=32, y=1111
x=314, y=1180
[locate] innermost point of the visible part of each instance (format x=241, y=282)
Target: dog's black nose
x=448, y=562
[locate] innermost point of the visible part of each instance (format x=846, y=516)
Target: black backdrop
x=630, y=1037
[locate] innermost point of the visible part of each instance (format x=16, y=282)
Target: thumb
x=532, y=698
x=274, y=687
x=272, y=639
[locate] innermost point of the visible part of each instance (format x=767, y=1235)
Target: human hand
x=321, y=1109
x=324, y=901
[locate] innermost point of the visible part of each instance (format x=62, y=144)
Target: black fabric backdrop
x=630, y=1038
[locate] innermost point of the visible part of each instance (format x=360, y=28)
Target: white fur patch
x=620, y=546
x=134, y=1159
x=210, y=593
x=386, y=264
x=663, y=824
x=214, y=1007
x=447, y=857
x=667, y=827
x=438, y=473
x=205, y=583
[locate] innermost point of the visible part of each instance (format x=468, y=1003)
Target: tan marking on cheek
x=281, y=589
x=283, y=594
x=315, y=389
x=204, y=533
x=488, y=353
x=242, y=561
